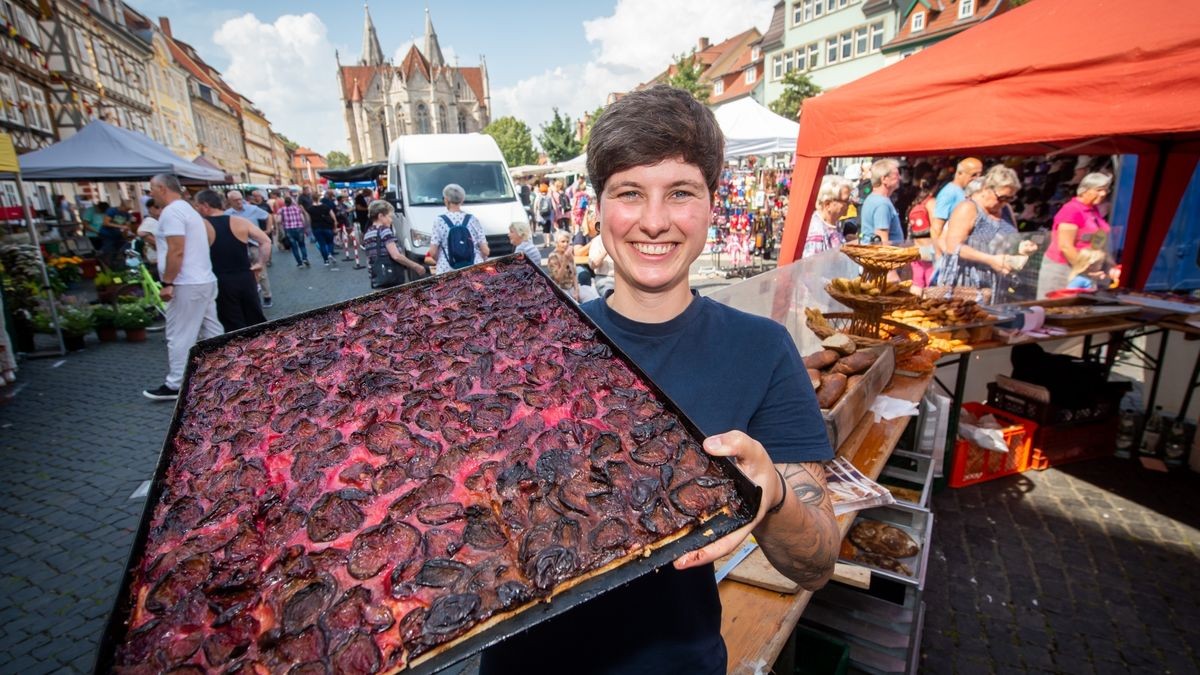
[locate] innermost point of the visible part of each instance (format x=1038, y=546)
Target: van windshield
x=483, y=182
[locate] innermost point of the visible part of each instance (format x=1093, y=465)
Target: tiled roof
x=474, y=78
x=414, y=60
x=360, y=74
x=735, y=84
x=774, y=34
x=735, y=54
x=941, y=20
x=315, y=160
x=186, y=56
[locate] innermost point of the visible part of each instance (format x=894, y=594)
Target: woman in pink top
x=1077, y=225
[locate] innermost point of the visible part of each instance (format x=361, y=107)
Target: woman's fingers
x=719, y=548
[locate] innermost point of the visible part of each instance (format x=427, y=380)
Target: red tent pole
x=806, y=180
x=1157, y=192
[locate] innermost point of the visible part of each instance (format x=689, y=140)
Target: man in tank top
x=237, y=289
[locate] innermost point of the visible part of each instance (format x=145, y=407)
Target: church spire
x=433, y=51
x=372, y=53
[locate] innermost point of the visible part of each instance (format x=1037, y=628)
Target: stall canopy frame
x=1050, y=77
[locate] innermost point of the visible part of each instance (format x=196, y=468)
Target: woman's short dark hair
x=209, y=198
x=652, y=125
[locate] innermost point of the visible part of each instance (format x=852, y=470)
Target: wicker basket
x=881, y=258
x=904, y=339
x=863, y=303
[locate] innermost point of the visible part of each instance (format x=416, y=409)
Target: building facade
x=24, y=77
x=256, y=136
x=215, y=113
x=100, y=67
x=305, y=165
x=833, y=41
x=281, y=161
x=421, y=95
x=173, y=125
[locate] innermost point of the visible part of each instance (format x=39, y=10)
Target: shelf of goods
x=882, y=624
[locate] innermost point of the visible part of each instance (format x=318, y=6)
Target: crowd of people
x=1010, y=230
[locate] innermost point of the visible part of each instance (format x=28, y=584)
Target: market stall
x=1056, y=76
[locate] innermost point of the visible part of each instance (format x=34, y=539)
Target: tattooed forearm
x=801, y=541
x=804, y=484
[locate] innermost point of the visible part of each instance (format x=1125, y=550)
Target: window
x=443, y=121
x=847, y=45
x=860, y=41
x=831, y=51
x=789, y=60
x=807, y=10
x=777, y=66
x=8, y=92
x=34, y=102
x=101, y=56
x=750, y=75
x=718, y=87
x=966, y=9
x=484, y=182
x=918, y=22
x=462, y=121
x=876, y=36
x=755, y=53
x=422, y=119
x=27, y=26
x=814, y=55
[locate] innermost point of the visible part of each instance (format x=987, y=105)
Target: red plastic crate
x=1062, y=444
x=973, y=464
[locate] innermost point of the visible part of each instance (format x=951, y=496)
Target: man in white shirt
x=189, y=286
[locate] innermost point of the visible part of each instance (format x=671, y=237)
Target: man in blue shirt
x=879, y=216
x=655, y=158
x=239, y=207
x=951, y=196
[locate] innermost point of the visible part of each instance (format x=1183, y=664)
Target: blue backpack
x=460, y=247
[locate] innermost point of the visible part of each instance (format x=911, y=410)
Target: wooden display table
x=755, y=622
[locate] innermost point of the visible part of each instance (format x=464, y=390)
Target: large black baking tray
x=700, y=535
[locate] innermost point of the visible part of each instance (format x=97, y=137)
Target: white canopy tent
x=573, y=165
x=751, y=129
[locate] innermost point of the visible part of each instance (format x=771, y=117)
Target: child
x=1088, y=268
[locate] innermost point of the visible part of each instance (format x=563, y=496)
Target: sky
x=280, y=54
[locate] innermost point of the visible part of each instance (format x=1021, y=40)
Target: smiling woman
x=654, y=158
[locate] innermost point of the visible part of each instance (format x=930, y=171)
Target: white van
x=419, y=166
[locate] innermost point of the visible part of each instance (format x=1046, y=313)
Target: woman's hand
x=752, y=458
x=998, y=263
x=1027, y=247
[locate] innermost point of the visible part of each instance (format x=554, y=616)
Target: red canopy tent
x=1067, y=76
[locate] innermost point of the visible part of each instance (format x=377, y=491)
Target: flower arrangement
x=132, y=316
x=105, y=316
x=68, y=268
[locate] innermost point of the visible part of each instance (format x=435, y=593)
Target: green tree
x=337, y=160
x=515, y=140
x=591, y=122
x=687, y=77
x=558, y=138
x=796, y=87
x=288, y=143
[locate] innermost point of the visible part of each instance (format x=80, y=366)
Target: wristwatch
x=167, y=283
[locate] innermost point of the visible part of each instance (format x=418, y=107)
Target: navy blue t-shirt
x=727, y=370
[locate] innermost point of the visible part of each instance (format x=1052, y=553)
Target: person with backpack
x=543, y=210
x=562, y=207
x=458, y=239
x=919, y=229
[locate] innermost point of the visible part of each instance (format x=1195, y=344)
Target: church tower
x=372, y=53
x=433, y=50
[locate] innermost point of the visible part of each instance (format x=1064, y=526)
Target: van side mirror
x=392, y=198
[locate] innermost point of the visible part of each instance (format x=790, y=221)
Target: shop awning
x=1069, y=76
x=355, y=174
x=100, y=151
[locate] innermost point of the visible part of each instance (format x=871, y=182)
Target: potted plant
x=132, y=318
x=76, y=322
x=67, y=267
x=105, y=317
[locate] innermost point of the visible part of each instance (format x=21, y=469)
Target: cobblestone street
x=1090, y=568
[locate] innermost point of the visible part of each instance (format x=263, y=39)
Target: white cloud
x=287, y=68
x=632, y=45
